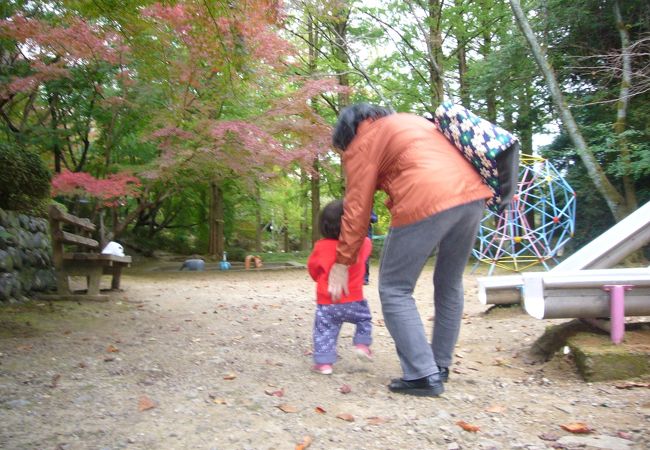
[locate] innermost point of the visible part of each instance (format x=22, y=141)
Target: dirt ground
x=221, y=360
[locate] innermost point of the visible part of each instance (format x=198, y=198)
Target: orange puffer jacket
x=408, y=158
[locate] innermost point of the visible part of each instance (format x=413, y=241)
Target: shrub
x=24, y=180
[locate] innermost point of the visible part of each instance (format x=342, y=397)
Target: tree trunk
x=622, y=106
x=285, y=231
x=216, y=233
x=524, y=121
x=56, y=149
x=435, y=45
x=462, y=76
x=486, y=50
x=341, y=16
x=341, y=53
x=613, y=198
x=344, y=100
x=461, y=54
x=305, y=218
x=315, y=201
x=258, y=220
x=119, y=227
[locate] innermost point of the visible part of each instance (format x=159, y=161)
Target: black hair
x=329, y=220
x=350, y=118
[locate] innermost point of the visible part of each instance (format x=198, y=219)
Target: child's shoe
x=324, y=369
x=363, y=352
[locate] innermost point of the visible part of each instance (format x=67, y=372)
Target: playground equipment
x=224, y=264
x=193, y=264
x=252, y=260
x=608, y=249
x=589, y=294
x=583, y=286
x=535, y=226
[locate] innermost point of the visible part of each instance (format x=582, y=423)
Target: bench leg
x=63, y=284
x=116, y=274
x=115, y=282
x=94, y=278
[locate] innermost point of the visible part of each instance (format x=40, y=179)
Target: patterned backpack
x=493, y=151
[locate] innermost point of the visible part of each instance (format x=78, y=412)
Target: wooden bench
x=76, y=253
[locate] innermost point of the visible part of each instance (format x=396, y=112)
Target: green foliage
x=100, y=116
x=24, y=179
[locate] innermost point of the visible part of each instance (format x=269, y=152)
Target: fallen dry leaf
x=625, y=435
x=229, y=376
x=468, y=426
x=287, y=408
x=112, y=349
x=145, y=403
x=374, y=420
x=277, y=393
x=306, y=442
x=345, y=416
x=496, y=409
x=345, y=389
x=320, y=410
x=577, y=427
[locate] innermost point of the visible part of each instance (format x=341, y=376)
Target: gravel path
x=220, y=360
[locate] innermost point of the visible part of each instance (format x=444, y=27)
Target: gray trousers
x=406, y=250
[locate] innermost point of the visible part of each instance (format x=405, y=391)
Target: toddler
x=351, y=308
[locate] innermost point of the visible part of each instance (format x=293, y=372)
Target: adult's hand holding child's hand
x=338, y=282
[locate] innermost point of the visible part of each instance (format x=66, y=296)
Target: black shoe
x=430, y=386
x=444, y=373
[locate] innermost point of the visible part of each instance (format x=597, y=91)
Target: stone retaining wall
x=25, y=257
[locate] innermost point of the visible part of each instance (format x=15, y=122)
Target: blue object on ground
x=193, y=264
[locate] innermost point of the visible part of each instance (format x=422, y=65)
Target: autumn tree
x=60, y=74
x=225, y=115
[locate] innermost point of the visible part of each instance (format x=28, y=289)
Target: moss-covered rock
x=598, y=359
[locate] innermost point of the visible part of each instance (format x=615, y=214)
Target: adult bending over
x=436, y=200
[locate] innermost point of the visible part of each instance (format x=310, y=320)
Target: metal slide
x=581, y=293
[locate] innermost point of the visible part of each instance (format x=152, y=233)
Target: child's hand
x=338, y=282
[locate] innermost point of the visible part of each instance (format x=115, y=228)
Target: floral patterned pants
x=327, y=326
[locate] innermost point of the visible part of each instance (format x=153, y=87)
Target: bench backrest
x=70, y=230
